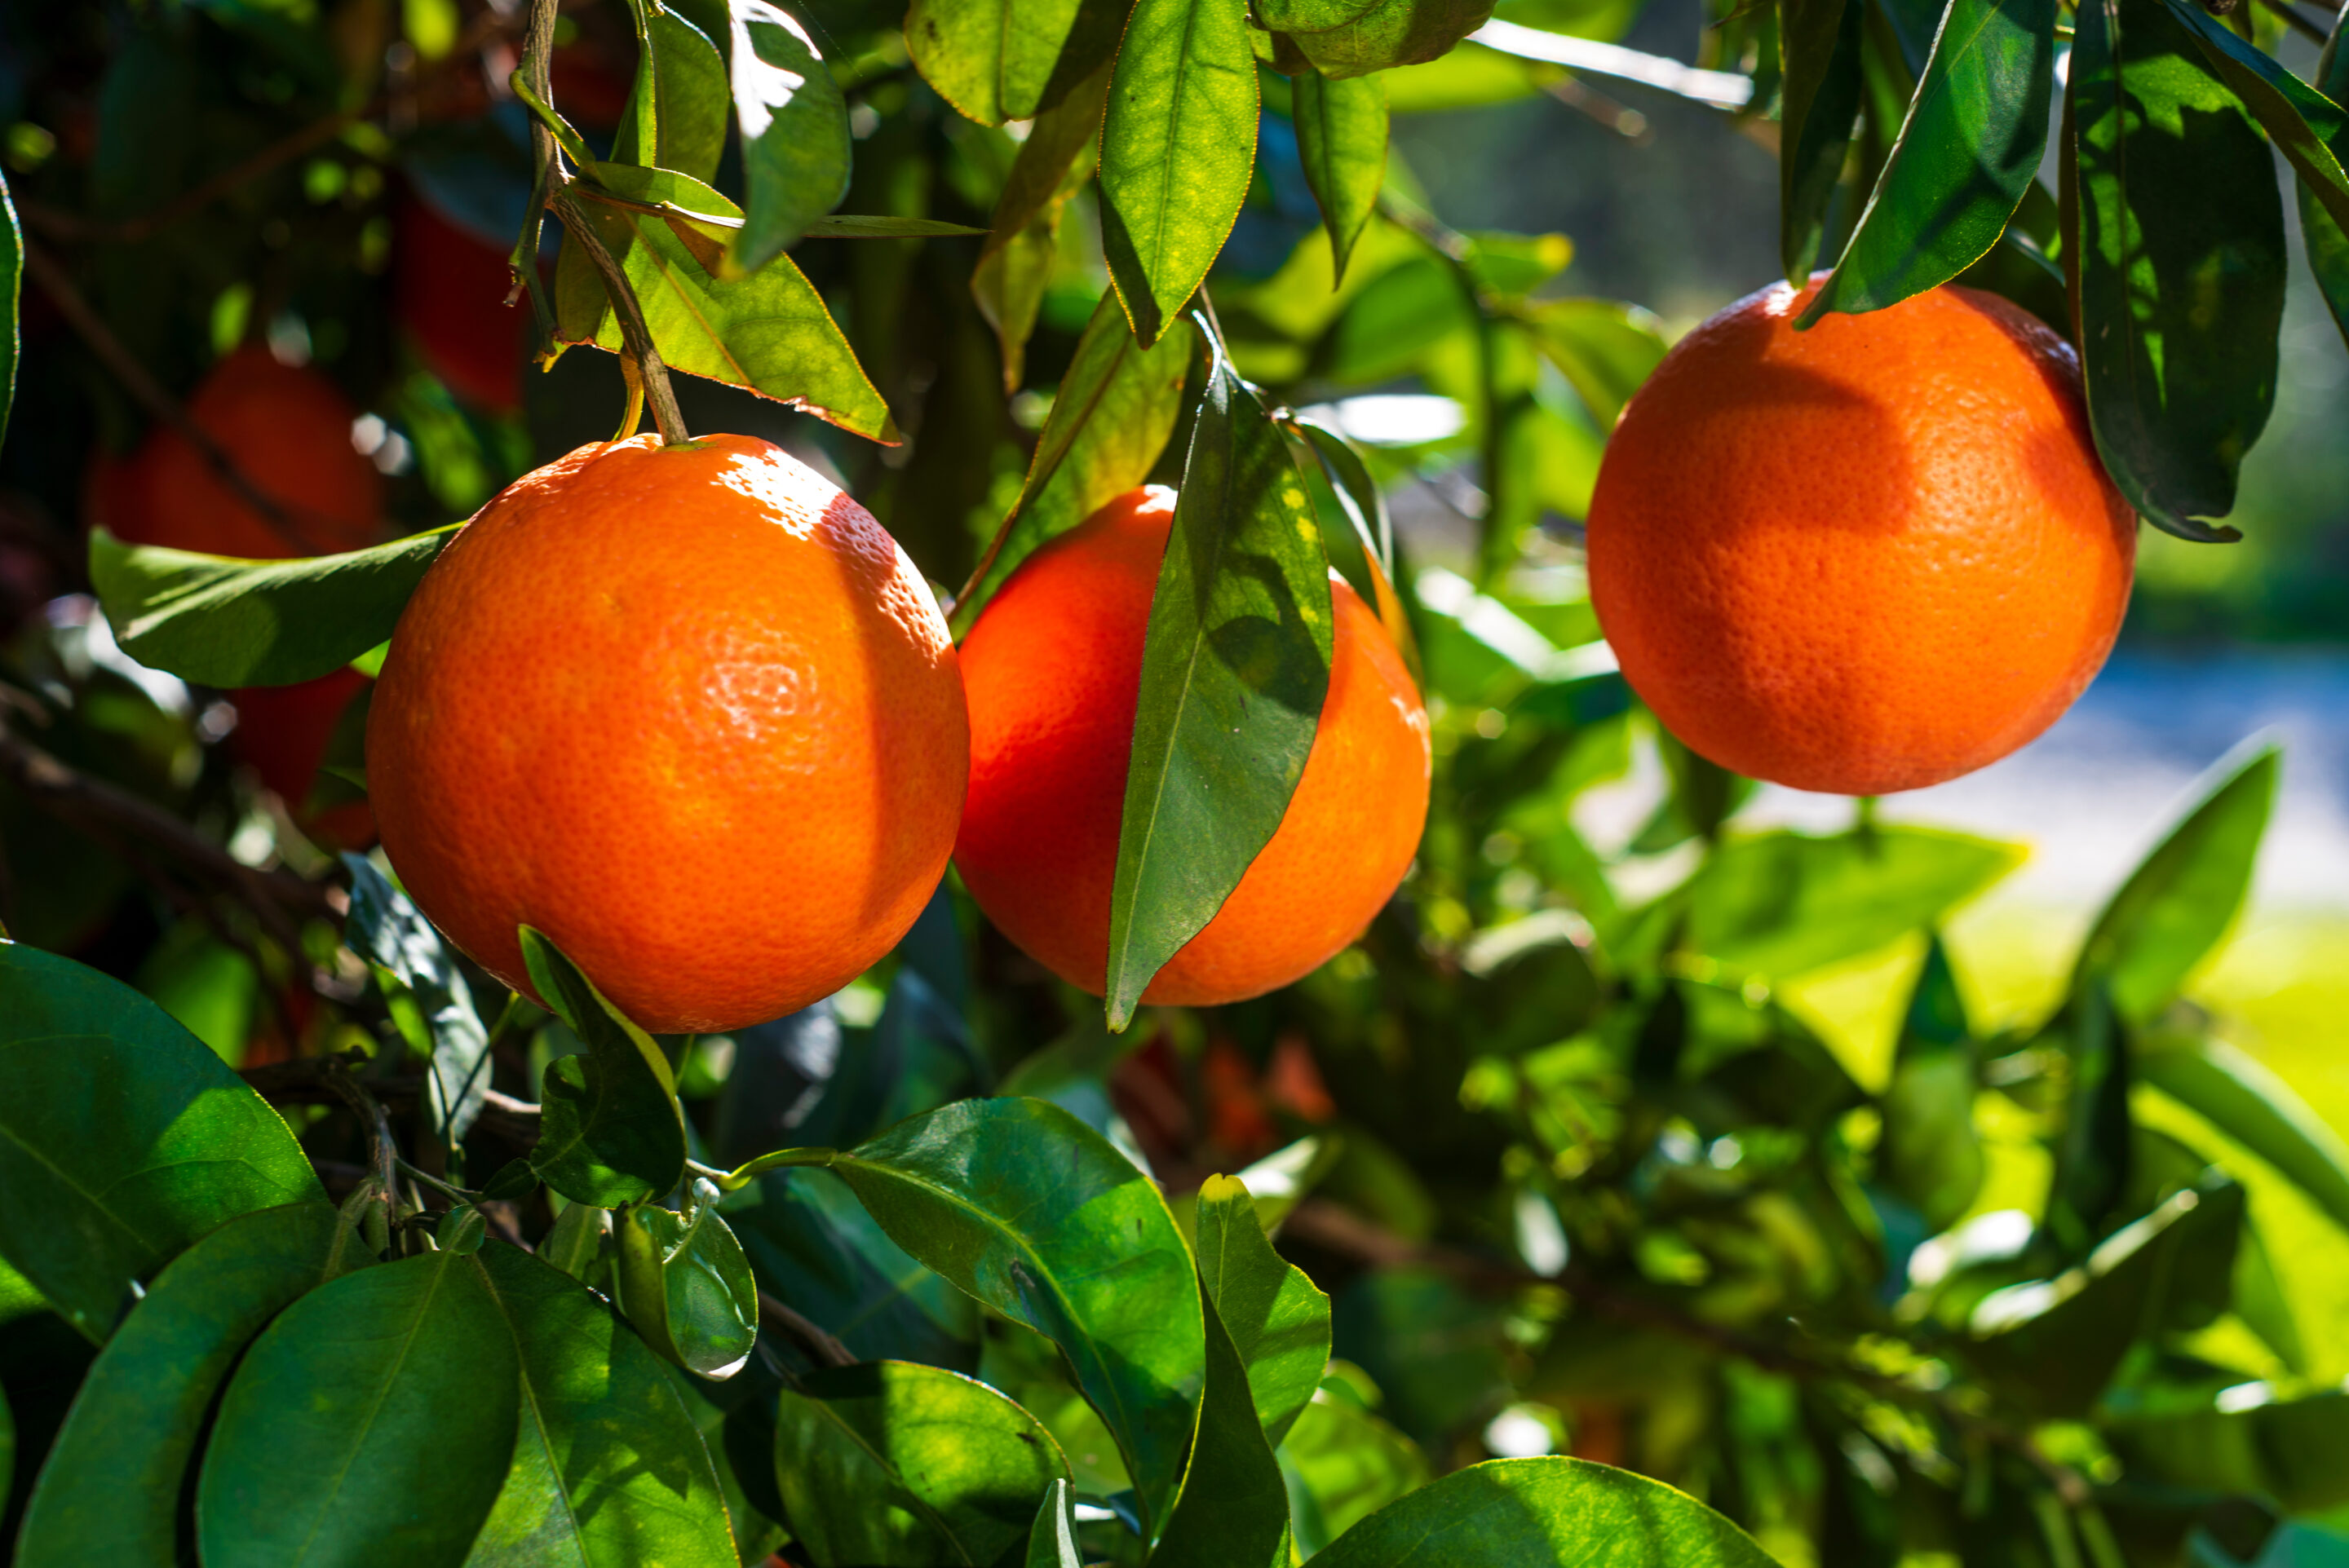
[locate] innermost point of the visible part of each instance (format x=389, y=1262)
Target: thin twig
x=775, y=1315
x=382, y=1152
x=148, y=393
x=309, y=1078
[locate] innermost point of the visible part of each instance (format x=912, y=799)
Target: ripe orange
x=1869, y=556
x=689, y=711
x=450, y=290
x=1052, y=669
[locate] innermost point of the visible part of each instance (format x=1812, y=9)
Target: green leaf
x=2178, y=231
x=1235, y=666
x=795, y=144
x=221, y=622
x=675, y=117
x=374, y=1421
x=1969, y=146
x=1782, y=903
x=992, y=59
x=2327, y=240
x=1820, y=39
x=892, y=1464
x=390, y=931
x=1390, y=33
x=1178, y=147
x=110, y=1491
x=122, y=1138
x=1342, y=1465
x=608, y=1471
x=1277, y=1318
x=767, y=333
x=2176, y=905
x=1342, y=136
x=2306, y=125
x=2249, y=1104
x=737, y=1423
x=1050, y=167
x=1052, y=1539
x=2295, y=1452
x=12, y=287
x=1929, y=1153
x=1533, y=1513
x=1605, y=348
x=687, y=1287
x=1027, y=1209
x=1109, y=423
x=855, y=226
x=1234, y=1508
x=610, y=1131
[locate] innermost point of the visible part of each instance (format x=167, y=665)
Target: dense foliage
x=318, y=1245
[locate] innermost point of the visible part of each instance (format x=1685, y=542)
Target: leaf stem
x=743, y=1175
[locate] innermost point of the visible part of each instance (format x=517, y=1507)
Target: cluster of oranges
x=690, y=709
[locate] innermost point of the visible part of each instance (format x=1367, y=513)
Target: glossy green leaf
x=1050, y=167
x=1929, y=1153
x=1342, y=136
x=1178, y=146
x=769, y=332
x=1388, y=34
x=892, y=1464
x=1116, y=406
x=2251, y=1105
x=608, y=1471
x=992, y=59
x=795, y=143
x=1781, y=903
x=1820, y=39
x=2295, y=1452
x=675, y=117
x=373, y=1422
x=2326, y=240
x=1343, y=1464
x=12, y=288
x=1605, y=349
x=1234, y=665
x=687, y=1287
x=123, y=1138
x=110, y=1491
x=1052, y=1539
x=1234, y=1508
x=610, y=1130
x=390, y=931
x=2308, y=128
x=2176, y=905
x=221, y=622
x=1971, y=146
x=2178, y=231
x=1277, y=1318
x=1027, y=1209
x=1532, y=1513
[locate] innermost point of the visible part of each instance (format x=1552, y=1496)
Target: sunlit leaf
x=1233, y=1508
x=1277, y=1318
x=1603, y=348
x=1342, y=136
x=795, y=143
x=991, y=59
x=687, y=1287
x=675, y=117
x=2251, y=1105
x=1929, y=1153
x=1050, y=167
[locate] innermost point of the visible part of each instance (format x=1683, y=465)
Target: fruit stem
x=635, y=336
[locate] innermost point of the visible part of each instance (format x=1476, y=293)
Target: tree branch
x=774, y=1314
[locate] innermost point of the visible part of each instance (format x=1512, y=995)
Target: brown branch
x=312, y=1079
x=149, y=394
x=774, y=1314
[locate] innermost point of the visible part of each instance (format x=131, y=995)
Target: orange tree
x=1529, y=1227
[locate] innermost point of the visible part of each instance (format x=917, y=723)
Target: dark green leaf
x=1356, y=529
x=1341, y=135
x=373, y=1422
x=2098, y=1143
x=1025, y=1207
x=2178, y=229
x=737, y=1422
x=2176, y=905
x=1969, y=148
x=1234, y=665
x=1050, y=167
x=890, y=1464
x=1052, y=1539
x=795, y=144
x=768, y=334
x=1820, y=39
x=2250, y=1105
x=576, y=1241
x=1177, y=148
x=1115, y=409
x=1929, y=1153
x=1604, y=348
x=992, y=59
x=1532, y=1513
x=12, y=287
x=2294, y=1451
x=2305, y=126
x=687, y=1287
x=123, y=1138
x=1344, y=1464
x=110, y=1491
x=607, y=1470
x=1277, y=1319
x=1234, y=1509
x=675, y=117
x=2327, y=240
x=611, y=1131
x=392, y=933
x=221, y=622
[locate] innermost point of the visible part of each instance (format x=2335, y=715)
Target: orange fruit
x=1053, y=668
x=448, y=290
x=288, y=430
x=1866, y=557
x=690, y=711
